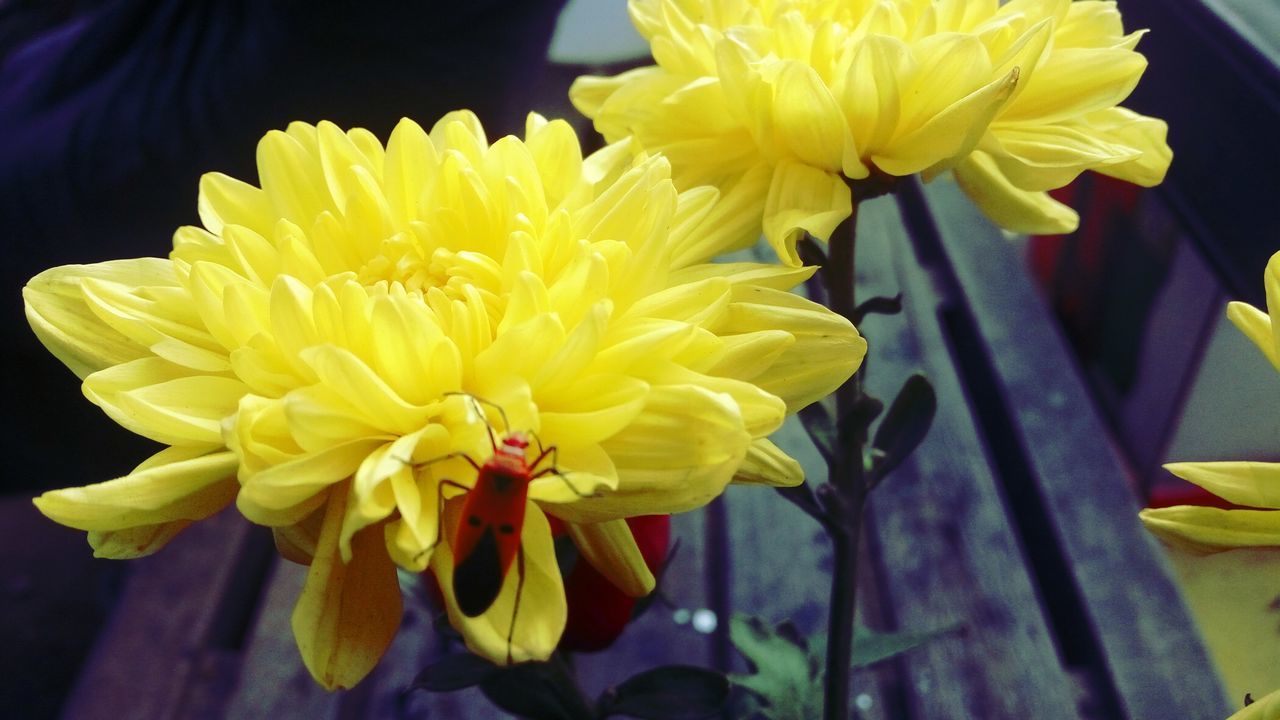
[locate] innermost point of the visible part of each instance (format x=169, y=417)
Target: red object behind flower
x=598, y=610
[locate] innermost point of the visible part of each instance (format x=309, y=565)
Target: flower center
x=402, y=260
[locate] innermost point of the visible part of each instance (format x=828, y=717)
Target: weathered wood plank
x=164, y=652
x=1151, y=649
x=942, y=535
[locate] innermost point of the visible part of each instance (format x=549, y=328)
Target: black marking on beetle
x=477, y=580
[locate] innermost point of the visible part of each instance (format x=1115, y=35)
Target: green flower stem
x=844, y=496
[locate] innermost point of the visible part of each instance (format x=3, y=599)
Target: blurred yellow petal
x=611, y=549
x=347, y=613
x=1205, y=530
x=1255, y=484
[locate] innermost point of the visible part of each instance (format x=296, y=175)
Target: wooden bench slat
x=942, y=535
x=1152, y=649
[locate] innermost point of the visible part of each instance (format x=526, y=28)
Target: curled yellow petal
x=767, y=464
x=803, y=199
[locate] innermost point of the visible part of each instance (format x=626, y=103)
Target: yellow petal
x=58, y=314
x=1255, y=484
x=1008, y=206
x=1205, y=530
x=1256, y=325
x=729, y=222
x=347, y=613
x=285, y=493
x=803, y=199
x=1143, y=134
x=291, y=178
x=810, y=121
x=948, y=136
x=677, y=455
x=1271, y=283
x=1075, y=81
x=165, y=402
x=767, y=464
x=1266, y=707
x=224, y=200
x=539, y=610
x=826, y=351
x=594, y=409
x=610, y=548
x=175, y=484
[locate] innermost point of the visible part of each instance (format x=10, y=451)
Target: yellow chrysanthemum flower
x=792, y=99
x=297, y=354
x=1251, y=484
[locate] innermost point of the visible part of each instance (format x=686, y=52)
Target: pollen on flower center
x=402, y=261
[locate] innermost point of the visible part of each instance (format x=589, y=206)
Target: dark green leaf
x=905, y=425
x=535, y=691
x=879, y=305
x=859, y=417
x=786, y=679
x=453, y=672
x=671, y=692
x=870, y=647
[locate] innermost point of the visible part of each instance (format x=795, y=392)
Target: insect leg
x=440, y=513
x=515, y=608
x=553, y=469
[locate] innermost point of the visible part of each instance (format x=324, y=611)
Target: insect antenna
x=475, y=403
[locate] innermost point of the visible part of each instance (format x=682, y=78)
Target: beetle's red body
x=487, y=540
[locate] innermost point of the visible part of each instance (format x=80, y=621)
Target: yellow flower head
x=791, y=99
x=1251, y=484
x=301, y=352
